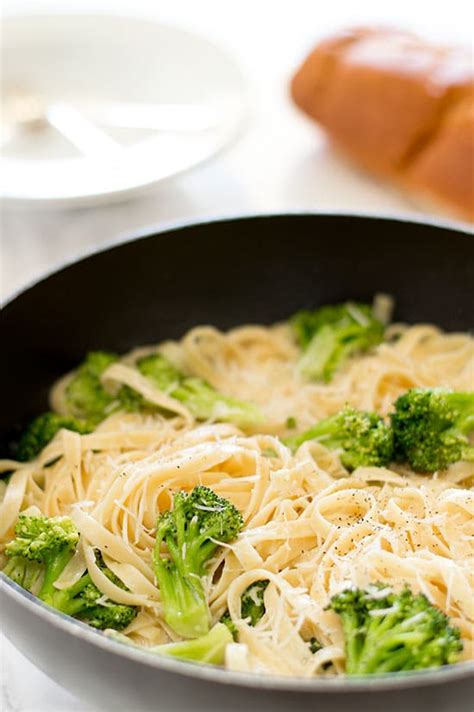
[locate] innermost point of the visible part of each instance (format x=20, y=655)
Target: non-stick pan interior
x=257, y=269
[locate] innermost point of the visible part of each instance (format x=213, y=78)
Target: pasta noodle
x=309, y=528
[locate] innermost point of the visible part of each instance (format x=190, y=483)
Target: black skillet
x=157, y=286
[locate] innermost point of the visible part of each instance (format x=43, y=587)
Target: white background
x=282, y=162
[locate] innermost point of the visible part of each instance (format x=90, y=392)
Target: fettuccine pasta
x=310, y=528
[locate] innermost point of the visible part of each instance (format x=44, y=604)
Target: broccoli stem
x=391, y=653
x=184, y=602
x=323, y=431
x=313, y=365
x=24, y=573
x=209, y=648
x=185, y=607
x=78, y=602
x=354, y=640
x=432, y=427
x=397, y=661
x=54, y=566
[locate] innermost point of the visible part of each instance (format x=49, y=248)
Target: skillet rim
x=210, y=673
x=392, y=681
x=176, y=225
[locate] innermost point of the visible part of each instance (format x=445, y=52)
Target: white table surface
x=280, y=163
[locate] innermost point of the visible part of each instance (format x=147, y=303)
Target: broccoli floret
x=46, y=540
x=86, y=397
x=331, y=334
x=44, y=546
x=314, y=645
x=108, y=615
x=161, y=371
x=133, y=402
x=203, y=400
x=252, y=606
x=389, y=632
x=191, y=531
x=42, y=430
x=363, y=438
x=229, y=623
x=87, y=402
x=209, y=648
x=105, y=614
x=431, y=428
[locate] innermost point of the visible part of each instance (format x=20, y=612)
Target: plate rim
x=235, y=131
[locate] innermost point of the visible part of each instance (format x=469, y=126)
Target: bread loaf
x=398, y=106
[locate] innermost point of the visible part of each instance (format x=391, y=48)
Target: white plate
x=83, y=59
